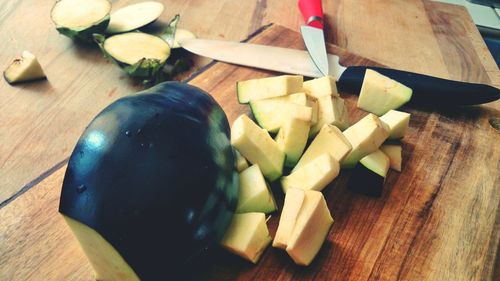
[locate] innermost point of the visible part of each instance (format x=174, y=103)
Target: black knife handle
x=427, y=90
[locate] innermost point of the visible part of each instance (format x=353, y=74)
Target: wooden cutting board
x=435, y=220
x=40, y=122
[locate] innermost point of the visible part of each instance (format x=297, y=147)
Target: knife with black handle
x=427, y=90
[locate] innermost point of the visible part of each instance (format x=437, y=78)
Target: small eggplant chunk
x=23, y=69
x=379, y=93
x=315, y=175
x=320, y=87
x=398, y=123
x=255, y=194
x=369, y=174
x=247, y=236
x=312, y=225
x=292, y=138
x=329, y=140
x=80, y=19
x=271, y=114
x=269, y=87
x=257, y=146
x=331, y=110
x=304, y=225
x=365, y=136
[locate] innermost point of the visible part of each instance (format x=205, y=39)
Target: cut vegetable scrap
x=257, y=146
x=269, y=87
x=80, y=19
x=319, y=87
x=247, y=236
x=329, y=140
x=379, y=93
x=398, y=123
x=25, y=68
x=315, y=175
x=255, y=195
x=134, y=16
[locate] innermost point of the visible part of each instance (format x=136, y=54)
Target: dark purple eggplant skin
x=365, y=181
x=154, y=174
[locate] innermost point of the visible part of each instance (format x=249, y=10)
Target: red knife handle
x=312, y=12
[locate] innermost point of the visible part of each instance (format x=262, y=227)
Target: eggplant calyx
x=169, y=33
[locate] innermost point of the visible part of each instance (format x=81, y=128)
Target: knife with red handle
x=312, y=11
x=312, y=33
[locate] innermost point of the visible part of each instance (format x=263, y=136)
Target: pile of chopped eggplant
x=304, y=126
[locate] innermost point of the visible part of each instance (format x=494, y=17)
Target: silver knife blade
x=314, y=40
x=260, y=56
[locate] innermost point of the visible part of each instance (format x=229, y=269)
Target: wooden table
x=40, y=122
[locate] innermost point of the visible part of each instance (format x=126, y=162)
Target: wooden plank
x=40, y=122
x=435, y=220
x=36, y=243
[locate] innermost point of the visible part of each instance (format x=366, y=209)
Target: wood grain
x=435, y=220
x=40, y=122
x=35, y=242
x=457, y=35
x=424, y=37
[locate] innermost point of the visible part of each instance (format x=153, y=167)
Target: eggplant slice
x=139, y=54
x=134, y=16
x=79, y=19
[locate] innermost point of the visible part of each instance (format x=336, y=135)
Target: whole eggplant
x=154, y=175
